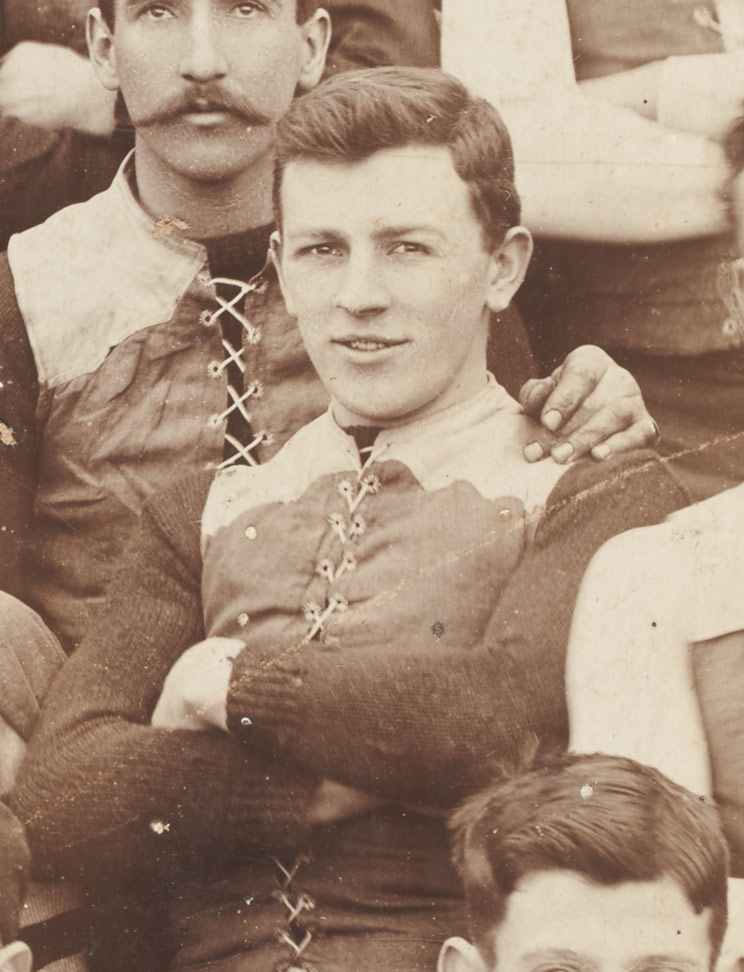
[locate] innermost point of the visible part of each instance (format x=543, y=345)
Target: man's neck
x=208, y=209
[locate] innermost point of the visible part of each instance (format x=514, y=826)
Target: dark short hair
x=14, y=864
x=305, y=9
x=353, y=115
x=606, y=818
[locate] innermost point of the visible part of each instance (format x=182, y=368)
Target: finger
x=544, y=441
x=602, y=425
x=594, y=419
x=534, y=393
x=640, y=435
x=578, y=377
x=540, y=445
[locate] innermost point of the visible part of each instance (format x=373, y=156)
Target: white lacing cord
x=345, y=530
x=297, y=937
x=252, y=335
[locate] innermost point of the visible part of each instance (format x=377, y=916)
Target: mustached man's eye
x=156, y=11
x=247, y=9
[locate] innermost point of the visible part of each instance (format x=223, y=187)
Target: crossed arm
x=102, y=789
x=465, y=714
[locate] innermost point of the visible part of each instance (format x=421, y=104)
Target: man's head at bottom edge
x=590, y=863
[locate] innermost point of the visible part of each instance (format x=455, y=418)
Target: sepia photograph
x=371, y=486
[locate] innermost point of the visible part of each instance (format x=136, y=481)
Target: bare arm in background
x=589, y=165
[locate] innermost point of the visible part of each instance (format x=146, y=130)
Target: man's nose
x=361, y=290
x=203, y=57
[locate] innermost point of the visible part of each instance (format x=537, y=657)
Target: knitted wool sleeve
x=18, y=398
x=102, y=791
x=429, y=728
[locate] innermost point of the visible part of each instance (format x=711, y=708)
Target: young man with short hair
x=138, y=327
x=385, y=602
x=589, y=862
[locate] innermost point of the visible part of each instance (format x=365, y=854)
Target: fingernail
x=552, y=419
x=601, y=451
x=533, y=451
x=562, y=452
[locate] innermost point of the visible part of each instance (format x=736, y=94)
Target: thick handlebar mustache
x=208, y=100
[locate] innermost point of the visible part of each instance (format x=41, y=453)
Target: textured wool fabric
x=162, y=792
x=483, y=706
x=104, y=794
x=30, y=657
x=417, y=539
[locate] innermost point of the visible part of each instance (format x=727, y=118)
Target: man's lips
x=206, y=112
x=368, y=343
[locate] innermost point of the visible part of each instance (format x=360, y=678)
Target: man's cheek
x=313, y=329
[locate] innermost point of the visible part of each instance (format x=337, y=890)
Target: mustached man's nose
x=203, y=56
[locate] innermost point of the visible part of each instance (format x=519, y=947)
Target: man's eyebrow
x=134, y=5
x=275, y=5
x=384, y=233
x=409, y=229
x=314, y=233
x=560, y=955
x=671, y=963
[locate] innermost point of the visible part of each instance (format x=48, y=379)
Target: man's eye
x=320, y=250
x=156, y=11
x=559, y=968
x=408, y=246
x=247, y=9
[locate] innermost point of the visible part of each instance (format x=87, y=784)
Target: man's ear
x=509, y=263
x=101, y=49
x=276, y=259
x=16, y=957
x=316, y=36
x=457, y=955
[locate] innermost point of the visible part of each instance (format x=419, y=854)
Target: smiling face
x=558, y=921
x=383, y=263
x=205, y=81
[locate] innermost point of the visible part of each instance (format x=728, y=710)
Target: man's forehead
x=410, y=154
x=414, y=182
x=630, y=925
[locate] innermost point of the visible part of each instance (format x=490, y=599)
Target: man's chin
x=213, y=159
